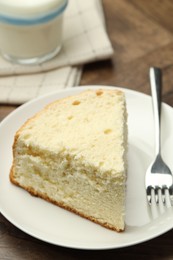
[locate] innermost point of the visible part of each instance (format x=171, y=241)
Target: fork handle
x=156, y=91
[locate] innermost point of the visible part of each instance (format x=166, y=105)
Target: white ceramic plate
x=52, y=224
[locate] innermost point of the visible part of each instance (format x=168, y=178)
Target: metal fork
x=159, y=178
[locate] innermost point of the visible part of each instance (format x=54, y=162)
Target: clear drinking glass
x=31, y=30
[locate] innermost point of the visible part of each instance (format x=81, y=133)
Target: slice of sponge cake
x=73, y=154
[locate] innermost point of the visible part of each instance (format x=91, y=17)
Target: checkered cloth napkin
x=84, y=40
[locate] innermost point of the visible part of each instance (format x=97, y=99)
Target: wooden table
x=141, y=32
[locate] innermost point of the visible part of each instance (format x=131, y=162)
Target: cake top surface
x=91, y=126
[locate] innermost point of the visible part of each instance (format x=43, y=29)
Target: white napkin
x=84, y=40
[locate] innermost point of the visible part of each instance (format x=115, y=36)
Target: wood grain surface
x=141, y=32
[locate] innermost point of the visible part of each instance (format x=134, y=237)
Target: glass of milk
x=31, y=30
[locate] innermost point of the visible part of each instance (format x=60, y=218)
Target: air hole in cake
x=70, y=117
x=101, y=163
x=99, y=93
x=27, y=136
x=76, y=103
x=107, y=131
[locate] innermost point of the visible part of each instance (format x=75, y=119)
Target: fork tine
x=163, y=191
x=171, y=194
x=157, y=194
x=167, y=198
x=149, y=189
